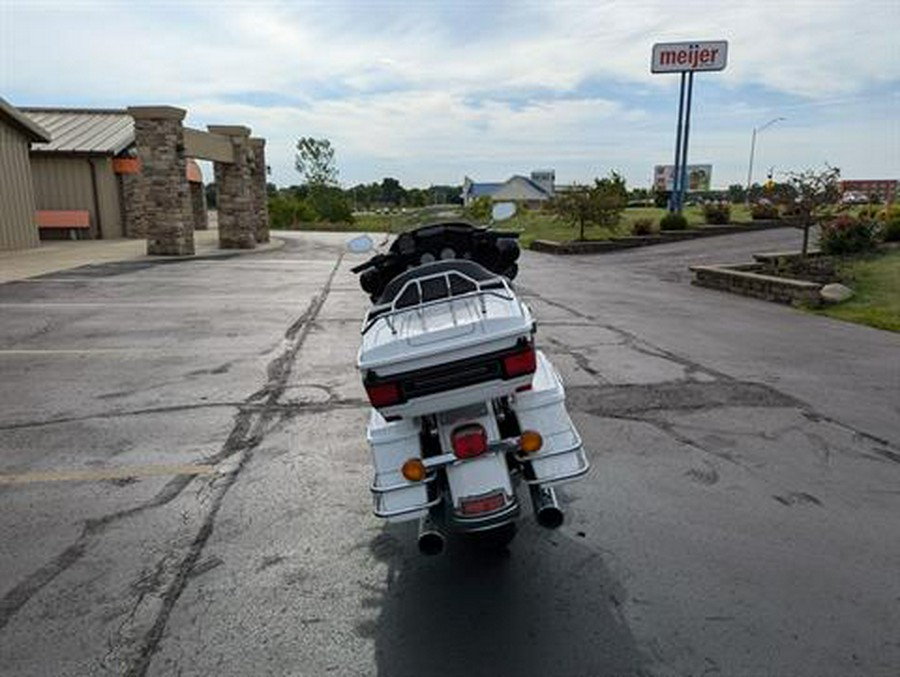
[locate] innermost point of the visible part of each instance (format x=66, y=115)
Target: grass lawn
x=535, y=225
x=531, y=224
x=876, y=281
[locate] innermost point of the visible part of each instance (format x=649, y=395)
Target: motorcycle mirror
x=361, y=245
x=503, y=210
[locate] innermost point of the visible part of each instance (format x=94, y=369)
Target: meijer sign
x=679, y=57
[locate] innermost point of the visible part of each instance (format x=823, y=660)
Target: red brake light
x=469, y=441
x=520, y=363
x=383, y=394
x=483, y=504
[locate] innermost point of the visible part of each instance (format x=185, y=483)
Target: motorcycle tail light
x=469, y=441
x=520, y=363
x=383, y=394
x=482, y=504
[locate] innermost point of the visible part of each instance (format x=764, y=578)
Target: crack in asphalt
x=25, y=590
x=248, y=432
x=582, y=360
x=632, y=341
x=299, y=407
x=251, y=425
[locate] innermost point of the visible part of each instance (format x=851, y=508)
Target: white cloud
x=430, y=91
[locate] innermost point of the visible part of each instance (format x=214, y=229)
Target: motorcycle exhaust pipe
x=431, y=539
x=546, y=507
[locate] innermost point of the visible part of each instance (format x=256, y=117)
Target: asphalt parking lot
x=184, y=481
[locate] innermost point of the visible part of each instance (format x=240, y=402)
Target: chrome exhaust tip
x=431, y=539
x=546, y=507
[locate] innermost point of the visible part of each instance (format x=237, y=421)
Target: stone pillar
x=163, y=186
x=258, y=188
x=134, y=197
x=198, y=206
x=237, y=223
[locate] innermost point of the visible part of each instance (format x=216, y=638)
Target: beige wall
x=65, y=183
x=17, y=229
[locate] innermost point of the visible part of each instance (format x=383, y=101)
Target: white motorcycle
x=466, y=411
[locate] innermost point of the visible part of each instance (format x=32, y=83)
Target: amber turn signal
x=530, y=441
x=413, y=470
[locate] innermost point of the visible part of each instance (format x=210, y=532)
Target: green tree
x=737, y=193
x=815, y=194
x=315, y=161
x=610, y=197
x=331, y=205
x=416, y=197
x=601, y=204
x=575, y=206
x=392, y=192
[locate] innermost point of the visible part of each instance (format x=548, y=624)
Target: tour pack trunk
x=448, y=352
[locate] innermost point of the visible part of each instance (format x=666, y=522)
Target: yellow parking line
x=101, y=474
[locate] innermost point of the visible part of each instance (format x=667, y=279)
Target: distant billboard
x=698, y=177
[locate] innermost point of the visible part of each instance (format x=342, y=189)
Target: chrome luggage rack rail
x=379, y=492
x=496, y=286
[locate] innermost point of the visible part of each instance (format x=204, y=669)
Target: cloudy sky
x=428, y=92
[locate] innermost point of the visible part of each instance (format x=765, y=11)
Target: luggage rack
x=411, y=295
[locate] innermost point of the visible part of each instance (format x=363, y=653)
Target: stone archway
x=162, y=193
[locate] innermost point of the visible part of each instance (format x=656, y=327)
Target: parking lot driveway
x=185, y=482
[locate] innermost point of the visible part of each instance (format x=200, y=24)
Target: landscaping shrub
x=847, y=235
x=642, y=226
x=763, y=211
x=287, y=211
x=870, y=213
x=480, y=209
x=717, y=213
x=890, y=223
x=673, y=221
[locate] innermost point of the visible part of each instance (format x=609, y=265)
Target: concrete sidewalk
x=54, y=256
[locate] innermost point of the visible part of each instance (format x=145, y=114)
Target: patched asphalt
x=740, y=517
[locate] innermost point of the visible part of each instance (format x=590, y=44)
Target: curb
x=274, y=244
x=631, y=242
x=745, y=280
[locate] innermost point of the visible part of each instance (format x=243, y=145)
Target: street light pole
x=753, y=150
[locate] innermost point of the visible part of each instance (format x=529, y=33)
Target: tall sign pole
x=676, y=174
x=684, y=144
x=686, y=58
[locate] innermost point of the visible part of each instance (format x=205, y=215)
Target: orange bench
x=73, y=220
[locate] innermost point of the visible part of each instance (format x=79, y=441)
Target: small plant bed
x=870, y=279
x=875, y=279
x=625, y=240
x=814, y=267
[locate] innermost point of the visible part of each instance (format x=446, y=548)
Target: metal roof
x=78, y=130
x=483, y=189
x=26, y=125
